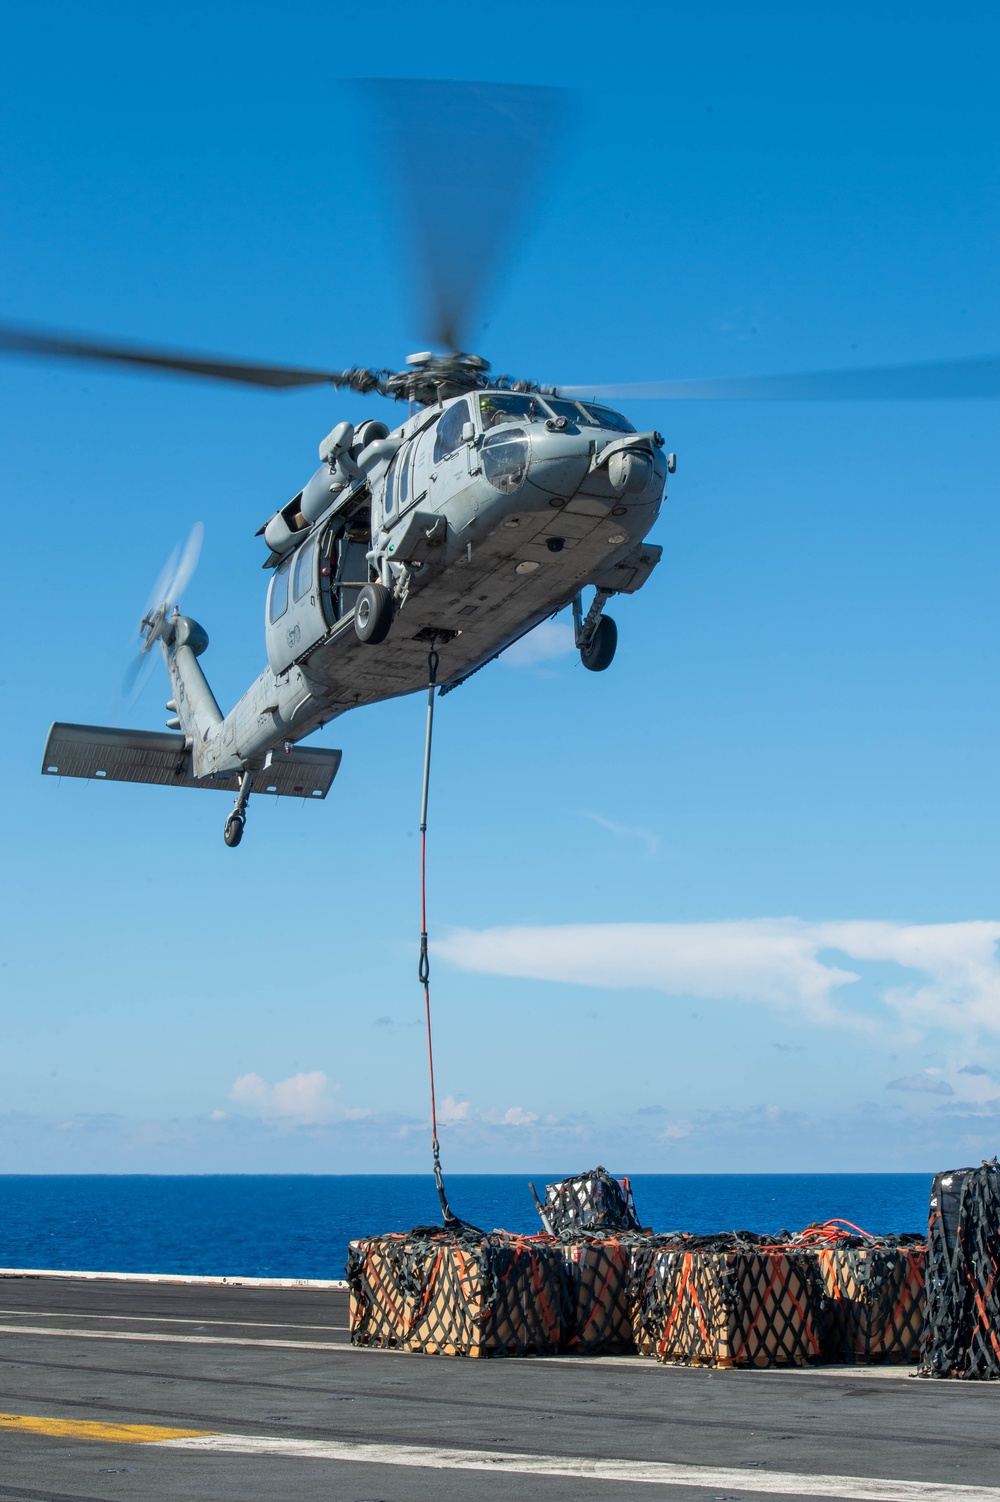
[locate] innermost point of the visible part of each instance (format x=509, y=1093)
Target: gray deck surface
x=842, y=1421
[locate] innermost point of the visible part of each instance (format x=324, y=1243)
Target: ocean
x=298, y=1226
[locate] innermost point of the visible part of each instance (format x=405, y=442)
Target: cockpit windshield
x=606, y=418
x=510, y=406
x=571, y=410
x=497, y=407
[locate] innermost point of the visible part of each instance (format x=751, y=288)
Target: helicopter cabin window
x=389, y=492
x=278, y=601
x=449, y=430
x=302, y=580
x=608, y=419
x=404, y=479
x=505, y=458
x=496, y=407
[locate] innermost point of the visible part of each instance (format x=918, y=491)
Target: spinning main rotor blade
x=463, y=158
x=25, y=341
x=938, y=380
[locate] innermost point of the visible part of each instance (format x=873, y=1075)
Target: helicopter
x=434, y=545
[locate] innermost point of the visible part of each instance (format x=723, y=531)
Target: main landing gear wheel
x=233, y=832
x=236, y=823
x=599, y=652
x=373, y=614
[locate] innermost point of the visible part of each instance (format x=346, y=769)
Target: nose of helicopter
x=560, y=458
x=563, y=458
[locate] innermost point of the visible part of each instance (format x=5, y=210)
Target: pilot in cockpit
x=496, y=408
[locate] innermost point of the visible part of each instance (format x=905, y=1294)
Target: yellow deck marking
x=119, y=1434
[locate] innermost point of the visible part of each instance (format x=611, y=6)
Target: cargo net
x=828, y=1293
x=871, y=1291
x=725, y=1301
x=600, y=1280
x=962, y=1333
x=831, y=1293
x=458, y=1294
x=589, y=1202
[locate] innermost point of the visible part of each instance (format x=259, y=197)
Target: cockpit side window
x=278, y=600
x=449, y=430
x=510, y=406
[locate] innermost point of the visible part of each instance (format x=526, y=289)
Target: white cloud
x=452, y=1110
x=455, y=1112
x=307, y=1099
x=949, y=974
x=517, y=1116
x=549, y=640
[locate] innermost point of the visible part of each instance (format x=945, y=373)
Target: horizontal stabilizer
x=160, y=756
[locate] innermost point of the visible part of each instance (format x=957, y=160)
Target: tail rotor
x=163, y=599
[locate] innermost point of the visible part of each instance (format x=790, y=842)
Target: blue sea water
x=298, y=1226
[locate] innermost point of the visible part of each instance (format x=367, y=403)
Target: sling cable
x=451, y=1220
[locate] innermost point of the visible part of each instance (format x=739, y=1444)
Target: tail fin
x=198, y=713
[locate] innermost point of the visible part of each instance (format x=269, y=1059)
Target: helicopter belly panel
x=504, y=562
x=493, y=607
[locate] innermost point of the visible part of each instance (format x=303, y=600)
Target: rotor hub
x=433, y=378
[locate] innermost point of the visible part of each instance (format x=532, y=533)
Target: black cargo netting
x=601, y=1288
x=962, y=1330
x=773, y=1305
x=464, y=1294
x=872, y=1300
x=588, y=1202
x=735, y=1305
x=828, y=1293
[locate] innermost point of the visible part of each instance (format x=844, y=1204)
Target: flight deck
x=122, y=1390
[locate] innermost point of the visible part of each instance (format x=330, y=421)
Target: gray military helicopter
x=494, y=504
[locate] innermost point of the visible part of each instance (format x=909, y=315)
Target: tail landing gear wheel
x=373, y=614
x=233, y=832
x=599, y=652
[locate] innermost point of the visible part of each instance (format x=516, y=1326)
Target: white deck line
x=151, y=1337
x=342, y=1347
x=196, y=1281
x=656, y=1473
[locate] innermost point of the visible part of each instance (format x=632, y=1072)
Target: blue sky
x=788, y=779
